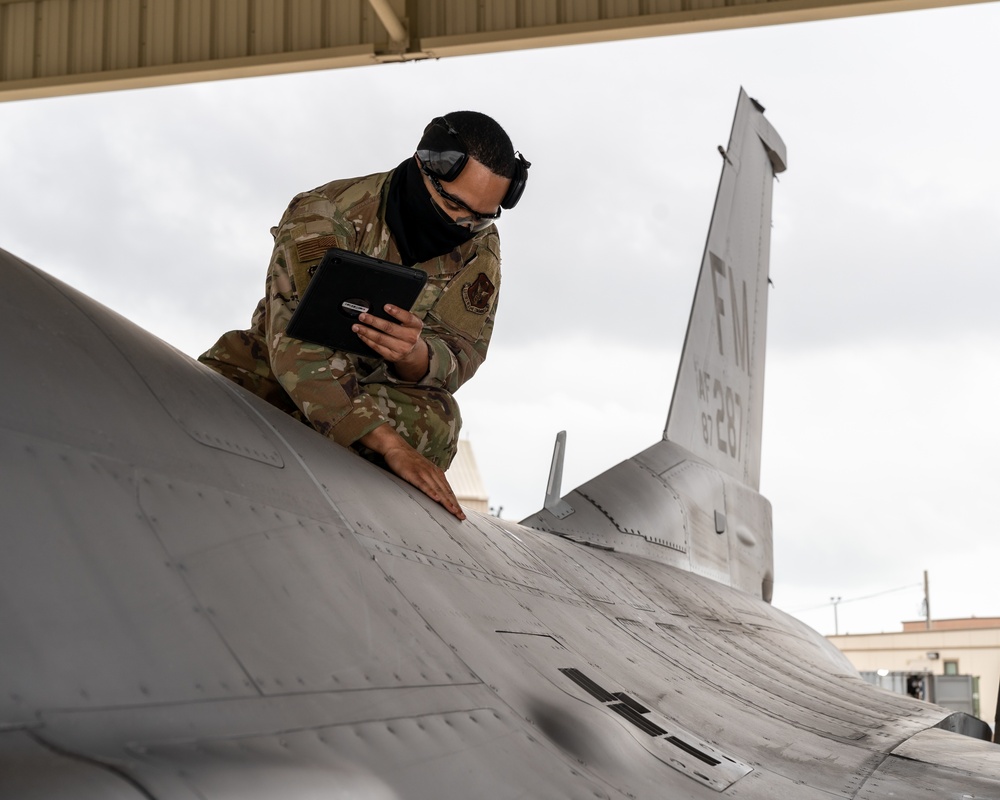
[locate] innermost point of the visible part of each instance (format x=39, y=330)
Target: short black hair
x=485, y=141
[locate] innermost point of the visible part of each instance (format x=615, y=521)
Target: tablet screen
x=345, y=285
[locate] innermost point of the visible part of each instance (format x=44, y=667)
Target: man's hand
x=412, y=467
x=399, y=344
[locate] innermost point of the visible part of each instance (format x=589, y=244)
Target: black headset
x=443, y=154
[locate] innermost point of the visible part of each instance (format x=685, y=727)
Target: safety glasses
x=475, y=222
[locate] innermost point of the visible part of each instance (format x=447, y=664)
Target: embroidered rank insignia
x=478, y=293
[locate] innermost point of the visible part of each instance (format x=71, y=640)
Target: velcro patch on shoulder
x=477, y=294
x=467, y=300
x=307, y=256
x=314, y=249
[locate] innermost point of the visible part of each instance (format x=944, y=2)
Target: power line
x=857, y=599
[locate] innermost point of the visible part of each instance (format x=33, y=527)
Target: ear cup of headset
x=517, y=182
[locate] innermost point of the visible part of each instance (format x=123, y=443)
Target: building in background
x=948, y=647
x=464, y=477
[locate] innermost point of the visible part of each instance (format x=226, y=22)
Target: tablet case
x=345, y=285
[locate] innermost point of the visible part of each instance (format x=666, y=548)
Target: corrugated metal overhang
x=59, y=47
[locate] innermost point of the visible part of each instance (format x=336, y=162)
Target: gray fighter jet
x=203, y=599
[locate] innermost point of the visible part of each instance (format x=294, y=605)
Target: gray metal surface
x=202, y=598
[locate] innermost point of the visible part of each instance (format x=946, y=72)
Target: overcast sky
x=881, y=429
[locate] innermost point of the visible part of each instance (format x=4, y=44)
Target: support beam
x=389, y=20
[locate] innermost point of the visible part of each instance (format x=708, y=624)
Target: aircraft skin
x=201, y=598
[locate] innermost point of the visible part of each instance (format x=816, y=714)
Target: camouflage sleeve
x=459, y=324
x=322, y=383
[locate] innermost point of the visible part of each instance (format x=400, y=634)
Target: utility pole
x=836, y=625
x=927, y=601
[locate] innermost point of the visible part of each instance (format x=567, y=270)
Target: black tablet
x=345, y=285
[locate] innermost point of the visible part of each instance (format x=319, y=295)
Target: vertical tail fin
x=553, y=500
x=691, y=500
x=717, y=405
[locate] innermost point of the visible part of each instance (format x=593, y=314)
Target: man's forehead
x=479, y=182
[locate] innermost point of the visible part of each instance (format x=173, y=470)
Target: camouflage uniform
x=342, y=395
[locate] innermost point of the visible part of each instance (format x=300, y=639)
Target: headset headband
x=444, y=155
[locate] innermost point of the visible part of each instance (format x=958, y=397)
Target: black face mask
x=420, y=232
